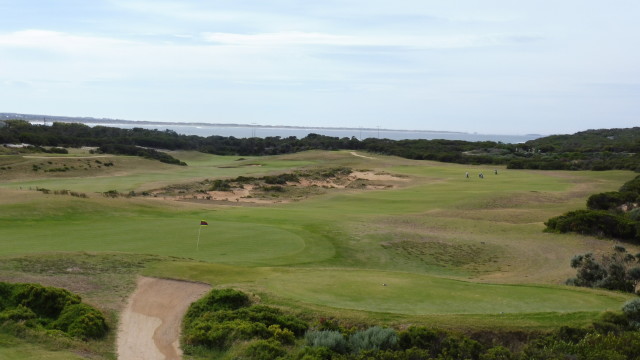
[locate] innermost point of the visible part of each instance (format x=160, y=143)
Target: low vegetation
x=120, y=149
x=223, y=317
x=610, y=214
x=49, y=309
x=226, y=318
x=617, y=271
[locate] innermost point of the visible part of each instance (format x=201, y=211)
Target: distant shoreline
x=51, y=118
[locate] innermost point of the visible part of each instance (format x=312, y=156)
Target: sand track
x=149, y=326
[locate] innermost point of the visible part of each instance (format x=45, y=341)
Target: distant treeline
x=588, y=150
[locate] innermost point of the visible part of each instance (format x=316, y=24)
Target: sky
x=491, y=67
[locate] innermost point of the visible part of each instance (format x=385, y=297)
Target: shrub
x=314, y=353
x=219, y=299
x=220, y=185
x=632, y=311
x=19, y=313
x=329, y=339
x=283, y=336
x=423, y=338
x=224, y=316
x=632, y=185
x=53, y=309
x=82, y=321
x=610, y=200
x=570, y=334
x=593, y=222
x=274, y=188
x=461, y=348
x=44, y=301
x=222, y=335
x=264, y=350
x=634, y=214
x=610, y=322
x=374, y=338
x=281, y=179
x=497, y=353
x=616, y=271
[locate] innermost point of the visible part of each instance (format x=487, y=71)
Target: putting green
x=221, y=241
x=411, y=294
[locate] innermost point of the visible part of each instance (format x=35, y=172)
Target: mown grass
x=421, y=239
x=406, y=297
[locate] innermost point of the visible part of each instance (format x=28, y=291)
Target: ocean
x=283, y=132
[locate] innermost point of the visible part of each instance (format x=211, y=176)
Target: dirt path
x=362, y=156
x=150, y=325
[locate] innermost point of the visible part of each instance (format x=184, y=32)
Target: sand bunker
x=150, y=325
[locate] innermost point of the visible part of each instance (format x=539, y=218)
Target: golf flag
x=203, y=223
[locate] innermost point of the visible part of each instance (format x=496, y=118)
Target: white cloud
x=295, y=38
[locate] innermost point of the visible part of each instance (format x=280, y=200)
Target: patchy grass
x=14, y=348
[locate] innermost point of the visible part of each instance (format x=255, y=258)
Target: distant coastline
x=91, y=120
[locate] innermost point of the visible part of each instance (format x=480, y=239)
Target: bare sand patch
x=373, y=176
x=150, y=324
x=362, y=156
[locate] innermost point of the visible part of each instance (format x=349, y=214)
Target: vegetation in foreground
x=47, y=315
x=225, y=319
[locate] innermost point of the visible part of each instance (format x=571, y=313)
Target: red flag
x=203, y=223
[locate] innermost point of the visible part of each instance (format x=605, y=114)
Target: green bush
x=223, y=317
x=19, y=313
x=422, y=338
x=632, y=311
x=374, y=338
x=219, y=299
x=594, y=222
x=609, y=322
x=283, y=336
x=497, y=353
x=330, y=339
x=314, y=353
x=82, y=321
x=50, y=309
x=570, y=334
x=6, y=291
x=610, y=200
x=44, y=301
x=222, y=335
x=632, y=185
x=264, y=350
x=281, y=179
x=220, y=185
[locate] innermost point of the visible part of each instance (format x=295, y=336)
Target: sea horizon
x=263, y=131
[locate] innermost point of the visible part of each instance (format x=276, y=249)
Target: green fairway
x=412, y=294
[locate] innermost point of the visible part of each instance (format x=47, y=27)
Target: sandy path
x=150, y=324
x=362, y=156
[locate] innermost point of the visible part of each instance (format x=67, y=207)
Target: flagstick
x=198, y=243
